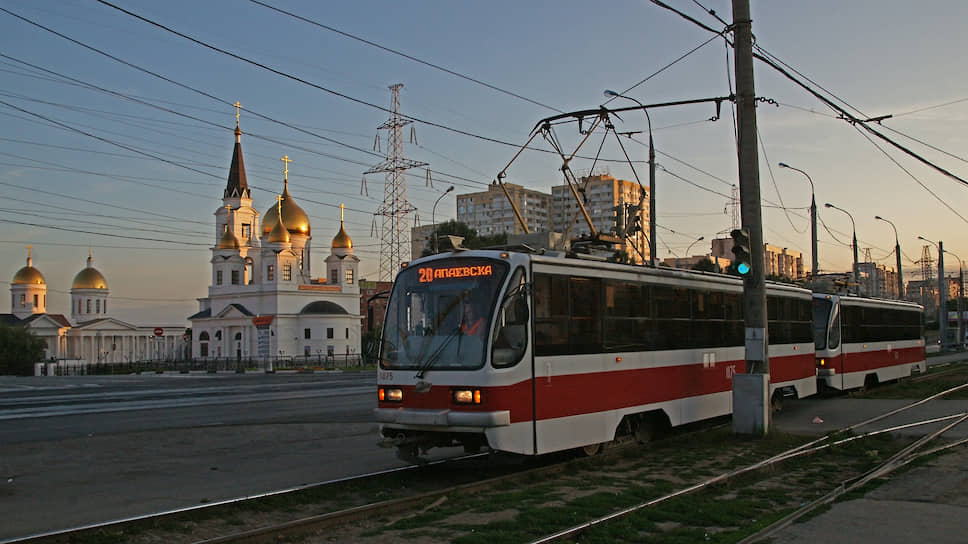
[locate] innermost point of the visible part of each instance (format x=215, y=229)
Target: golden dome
x=342, y=240
x=89, y=278
x=29, y=274
x=229, y=240
x=279, y=233
x=293, y=217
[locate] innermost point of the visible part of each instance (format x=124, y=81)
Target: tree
x=704, y=265
x=19, y=350
x=471, y=238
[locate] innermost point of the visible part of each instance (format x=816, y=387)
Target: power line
x=404, y=55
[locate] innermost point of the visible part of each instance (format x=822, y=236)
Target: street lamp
x=942, y=295
x=433, y=214
x=897, y=251
x=652, y=236
x=700, y=239
x=853, y=227
x=815, y=265
x=958, y=302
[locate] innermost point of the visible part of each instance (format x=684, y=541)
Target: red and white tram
x=571, y=352
x=862, y=341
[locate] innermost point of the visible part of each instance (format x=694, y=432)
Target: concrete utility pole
x=751, y=407
x=942, y=299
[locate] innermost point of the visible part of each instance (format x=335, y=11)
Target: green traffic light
x=743, y=268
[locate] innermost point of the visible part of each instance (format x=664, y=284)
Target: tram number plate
x=730, y=370
x=386, y=375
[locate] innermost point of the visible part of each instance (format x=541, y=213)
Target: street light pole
x=942, y=295
x=700, y=239
x=853, y=227
x=897, y=251
x=433, y=215
x=815, y=265
x=652, y=238
x=958, y=302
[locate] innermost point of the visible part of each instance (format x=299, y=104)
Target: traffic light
x=741, y=251
x=620, y=218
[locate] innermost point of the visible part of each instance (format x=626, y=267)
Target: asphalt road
x=80, y=450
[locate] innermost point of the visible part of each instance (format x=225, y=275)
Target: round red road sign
x=159, y=331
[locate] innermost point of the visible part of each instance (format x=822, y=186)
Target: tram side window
x=672, y=324
x=627, y=326
x=511, y=332
x=567, y=315
x=585, y=325
x=735, y=326
x=550, y=314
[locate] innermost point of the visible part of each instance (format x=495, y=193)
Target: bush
x=19, y=350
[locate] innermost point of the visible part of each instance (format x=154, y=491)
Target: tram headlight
x=823, y=362
x=391, y=395
x=467, y=396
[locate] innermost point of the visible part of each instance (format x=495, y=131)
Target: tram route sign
x=262, y=323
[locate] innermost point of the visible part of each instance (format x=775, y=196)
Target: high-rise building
x=490, y=213
x=601, y=195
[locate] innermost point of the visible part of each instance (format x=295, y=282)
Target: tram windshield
x=821, y=318
x=439, y=314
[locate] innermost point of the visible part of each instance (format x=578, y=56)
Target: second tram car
x=861, y=341
x=532, y=353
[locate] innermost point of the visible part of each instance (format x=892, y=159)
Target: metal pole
x=853, y=227
x=433, y=216
x=747, y=414
x=652, y=238
x=815, y=264
x=942, y=298
x=897, y=252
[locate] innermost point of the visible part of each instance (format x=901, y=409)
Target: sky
x=127, y=157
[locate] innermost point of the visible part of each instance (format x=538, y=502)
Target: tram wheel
x=592, y=449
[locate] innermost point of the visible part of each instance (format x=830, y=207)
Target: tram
x=535, y=353
x=860, y=342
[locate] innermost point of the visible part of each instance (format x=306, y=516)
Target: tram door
x=834, y=344
x=568, y=362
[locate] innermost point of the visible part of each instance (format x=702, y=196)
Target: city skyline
x=146, y=165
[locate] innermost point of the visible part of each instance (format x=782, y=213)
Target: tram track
x=905, y=456
x=378, y=511
x=118, y=526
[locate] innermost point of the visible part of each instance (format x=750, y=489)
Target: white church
x=90, y=335
x=263, y=302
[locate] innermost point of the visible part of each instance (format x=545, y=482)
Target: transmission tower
x=395, y=209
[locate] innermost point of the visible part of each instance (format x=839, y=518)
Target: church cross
x=286, y=160
x=237, y=108
x=341, y=208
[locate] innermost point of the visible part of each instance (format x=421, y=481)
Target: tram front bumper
x=444, y=418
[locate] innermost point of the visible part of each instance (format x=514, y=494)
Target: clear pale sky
x=145, y=202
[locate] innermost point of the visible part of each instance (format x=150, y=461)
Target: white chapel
x=263, y=302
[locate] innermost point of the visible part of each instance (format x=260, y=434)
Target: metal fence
x=208, y=364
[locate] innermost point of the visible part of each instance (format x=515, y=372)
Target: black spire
x=237, y=185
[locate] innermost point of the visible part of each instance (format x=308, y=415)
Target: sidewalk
x=927, y=503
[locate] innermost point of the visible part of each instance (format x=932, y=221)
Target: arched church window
x=270, y=273
x=248, y=271
x=218, y=335
x=97, y=306
x=88, y=305
x=287, y=272
x=203, y=337
x=105, y=306
x=238, y=336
